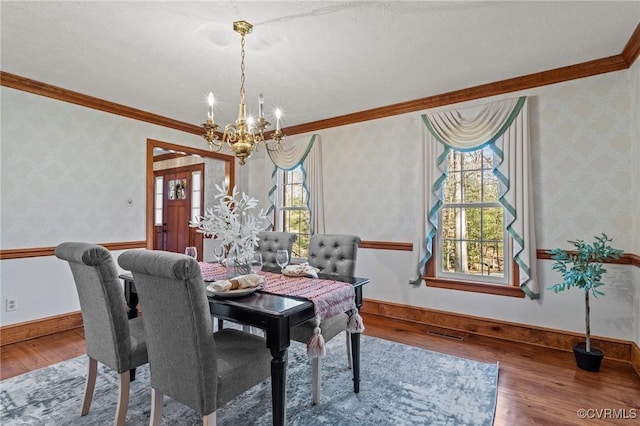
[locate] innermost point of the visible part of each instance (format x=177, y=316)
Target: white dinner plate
x=231, y=293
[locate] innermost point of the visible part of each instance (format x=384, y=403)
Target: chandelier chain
x=242, y=70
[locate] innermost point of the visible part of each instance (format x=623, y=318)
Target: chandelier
x=243, y=136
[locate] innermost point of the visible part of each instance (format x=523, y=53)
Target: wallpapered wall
x=70, y=179
x=581, y=150
x=66, y=179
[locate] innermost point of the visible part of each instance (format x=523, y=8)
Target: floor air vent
x=445, y=335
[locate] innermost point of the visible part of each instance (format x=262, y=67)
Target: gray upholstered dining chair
x=271, y=241
x=333, y=254
x=188, y=362
x=111, y=337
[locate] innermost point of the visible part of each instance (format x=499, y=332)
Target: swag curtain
x=503, y=126
x=308, y=155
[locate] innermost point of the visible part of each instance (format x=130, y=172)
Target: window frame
x=281, y=209
x=434, y=276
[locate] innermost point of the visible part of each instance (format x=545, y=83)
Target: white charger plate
x=232, y=293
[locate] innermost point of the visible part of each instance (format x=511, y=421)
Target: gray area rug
x=400, y=385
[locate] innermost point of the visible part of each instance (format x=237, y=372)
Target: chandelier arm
x=275, y=148
x=216, y=144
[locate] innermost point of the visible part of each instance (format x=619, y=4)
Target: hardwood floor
x=536, y=386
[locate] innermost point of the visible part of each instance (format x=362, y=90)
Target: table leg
x=132, y=299
x=279, y=386
x=355, y=354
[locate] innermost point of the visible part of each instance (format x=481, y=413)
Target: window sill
x=499, y=290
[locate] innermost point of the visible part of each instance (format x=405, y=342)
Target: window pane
x=195, y=181
x=487, y=158
x=449, y=217
x=493, y=259
x=158, y=200
x=491, y=186
x=453, y=188
x=472, y=187
x=472, y=251
x=454, y=163
x=471, y=221
x=196, y=194
x=492, y=223
x=450, y=257
x=471, y=160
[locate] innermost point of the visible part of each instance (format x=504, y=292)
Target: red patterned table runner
x=329, y=297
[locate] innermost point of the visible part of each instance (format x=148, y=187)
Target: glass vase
x=238, y=264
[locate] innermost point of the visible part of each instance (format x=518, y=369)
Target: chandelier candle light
x=243, y=136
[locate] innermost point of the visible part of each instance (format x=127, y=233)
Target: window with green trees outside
x=472, y=239
x=293, y=211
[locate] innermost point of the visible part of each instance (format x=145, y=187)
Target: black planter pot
x=589, y=361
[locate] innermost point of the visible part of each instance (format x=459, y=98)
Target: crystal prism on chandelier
x=243, y=136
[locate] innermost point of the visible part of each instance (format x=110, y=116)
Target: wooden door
x=173, y=233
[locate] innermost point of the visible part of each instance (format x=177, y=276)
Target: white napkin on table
x=302, y=269
x=239, y=282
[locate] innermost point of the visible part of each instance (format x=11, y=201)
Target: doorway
x=178, y=199
x=176, y=165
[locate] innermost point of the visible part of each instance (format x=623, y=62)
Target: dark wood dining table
x=276, y=315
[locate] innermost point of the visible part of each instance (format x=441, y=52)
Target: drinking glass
x=282, y=258
x=256, y=263
x=191, y=251
x=218, y=252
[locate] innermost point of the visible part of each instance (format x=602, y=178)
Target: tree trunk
x=587, y=346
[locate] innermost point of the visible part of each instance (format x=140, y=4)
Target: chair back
x=102, y=303
x=270, y=242
x=334, y=253
x=180, y=341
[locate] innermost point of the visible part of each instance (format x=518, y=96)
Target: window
x=196, y=194
x=475, y=232
x=472, y=238
x=158, y=194
x=472, y=251
x=293, y=211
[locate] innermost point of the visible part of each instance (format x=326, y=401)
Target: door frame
x=229, y=170
x=194, y=238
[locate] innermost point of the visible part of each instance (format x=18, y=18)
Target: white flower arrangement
x=232, y=221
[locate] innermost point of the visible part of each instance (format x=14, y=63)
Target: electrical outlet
x=11, y=304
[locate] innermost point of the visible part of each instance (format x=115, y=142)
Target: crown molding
x=43, y=89
x=558, y=75
x=618, y=62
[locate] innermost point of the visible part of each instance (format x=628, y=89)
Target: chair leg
x=123, y=399
x=349, y=356
x=90, y=385
x=209, y=420
x=316, y=383
x=156, y=407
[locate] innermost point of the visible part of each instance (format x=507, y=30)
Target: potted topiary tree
x=582, y=268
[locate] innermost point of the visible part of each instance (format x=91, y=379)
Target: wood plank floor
x=537, y=386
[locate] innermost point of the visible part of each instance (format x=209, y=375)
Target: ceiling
x=315, y=60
